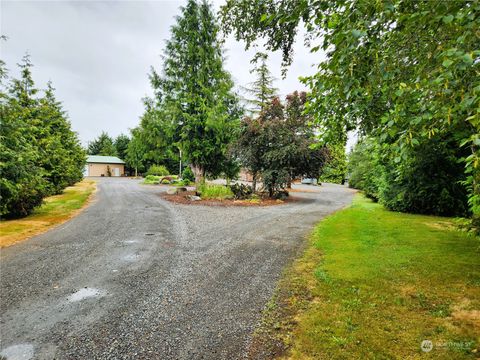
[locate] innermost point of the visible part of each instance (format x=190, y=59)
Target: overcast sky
x=98, y=55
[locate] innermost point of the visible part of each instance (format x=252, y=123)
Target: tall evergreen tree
x=63, y=158
x=121, y=145
x=39, y=154
x=156, y=133
x=195, y=92
x=103, y=145
x=135, y=152
x=262, y=89
x=22, y=186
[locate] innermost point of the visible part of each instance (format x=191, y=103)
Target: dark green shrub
x=20, y=196
x=241, y=191
x=157, y=170
x=183, y=182
x=187, y=174
x=427, y=181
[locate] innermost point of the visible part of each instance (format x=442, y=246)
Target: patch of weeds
x=400, y=301
x=440, y=310
x=350, y=325
x=322, y=275
x=352, y=303
x=253, y=201
x=422, y=301
x=340, y=341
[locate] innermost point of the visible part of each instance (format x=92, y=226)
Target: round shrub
x=158, y=170
x=187, y=174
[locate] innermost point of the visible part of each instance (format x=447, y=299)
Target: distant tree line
x=107, y=146
x=40, y=155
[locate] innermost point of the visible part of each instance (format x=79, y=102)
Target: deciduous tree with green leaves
x=401, y=71
x=278, y=145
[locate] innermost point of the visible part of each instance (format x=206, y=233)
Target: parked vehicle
x=309, y=181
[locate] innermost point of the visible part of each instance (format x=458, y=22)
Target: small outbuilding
x=104, y=166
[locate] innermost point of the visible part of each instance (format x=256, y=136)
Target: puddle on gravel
x=131, y=257
x=129, y=242
x=17, y=352
x=85, y=293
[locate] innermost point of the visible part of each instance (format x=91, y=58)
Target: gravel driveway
x=136, y=277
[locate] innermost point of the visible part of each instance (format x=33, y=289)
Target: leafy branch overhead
x=404, y=72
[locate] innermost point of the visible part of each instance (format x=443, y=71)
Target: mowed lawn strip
x=374, y=284
x=54, y=211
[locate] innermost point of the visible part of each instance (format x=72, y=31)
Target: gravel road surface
x=136, y=277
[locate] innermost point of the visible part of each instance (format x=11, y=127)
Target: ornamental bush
x=188, y=175
x=158, y=170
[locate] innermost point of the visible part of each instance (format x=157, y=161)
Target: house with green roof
x=104, y=166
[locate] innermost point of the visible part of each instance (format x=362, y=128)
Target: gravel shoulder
x=134, y=276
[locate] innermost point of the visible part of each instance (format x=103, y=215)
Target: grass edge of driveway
x=54, y=211
x=373, y=283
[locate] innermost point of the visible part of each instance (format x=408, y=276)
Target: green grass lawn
x=54, y=211
x=373, y=284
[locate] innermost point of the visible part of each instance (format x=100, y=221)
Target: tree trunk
x=254, y=182
x=199, y=173
x=136, y=172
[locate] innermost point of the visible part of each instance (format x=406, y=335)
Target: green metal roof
x=104, y=159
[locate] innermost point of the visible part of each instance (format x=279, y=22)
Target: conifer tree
x=62, y=157
x=103, y=145
x=121, y=145
x=22, y=186
x=195, y=92
x=39, y=153
x=262, y=89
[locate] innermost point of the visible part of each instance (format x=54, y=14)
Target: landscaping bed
x=183, y=198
